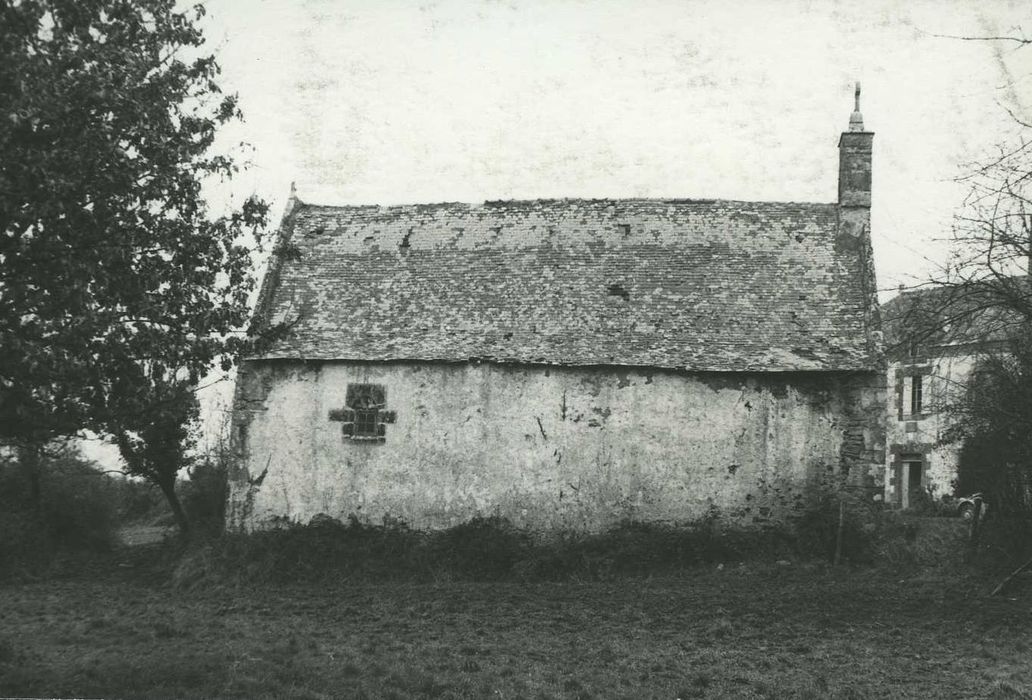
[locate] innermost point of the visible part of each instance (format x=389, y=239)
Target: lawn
x=754, y=631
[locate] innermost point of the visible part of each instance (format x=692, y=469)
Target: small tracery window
x=365, y=416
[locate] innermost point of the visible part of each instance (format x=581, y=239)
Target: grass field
x=762, y=631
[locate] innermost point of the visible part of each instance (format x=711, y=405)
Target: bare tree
x=980, y=304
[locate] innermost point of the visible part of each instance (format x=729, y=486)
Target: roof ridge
x=493, y=203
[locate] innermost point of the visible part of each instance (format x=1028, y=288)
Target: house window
x=916, y=394
x=913, y=395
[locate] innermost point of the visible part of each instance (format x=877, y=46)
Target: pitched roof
x=966, y=315
x=703, y=285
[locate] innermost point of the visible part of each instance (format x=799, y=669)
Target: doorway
x=911, y=480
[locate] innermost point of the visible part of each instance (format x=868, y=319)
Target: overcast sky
x=379, y=102
x=386, y=102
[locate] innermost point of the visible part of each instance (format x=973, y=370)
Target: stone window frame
x=364, y=417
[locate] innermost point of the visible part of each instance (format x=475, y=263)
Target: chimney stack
x=855, y=161
x=854, y=213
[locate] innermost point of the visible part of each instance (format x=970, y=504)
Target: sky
x=391, y=102
x=386, y=102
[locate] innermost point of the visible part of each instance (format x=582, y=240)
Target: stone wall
x=913, y=437
x=546, y=447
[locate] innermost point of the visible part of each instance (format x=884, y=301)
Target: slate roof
x=700, y=285
x=969, y=316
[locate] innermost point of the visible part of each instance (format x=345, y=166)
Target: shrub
x=817, y=527
x=141, y=502
x=75, y=517
x=924, y=502
x=204, y=496
x=482, y=549
x=1005, y=540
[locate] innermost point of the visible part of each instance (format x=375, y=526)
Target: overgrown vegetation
x=491, y=549
x=204, y=494
x=73, y=519
x=926, y=502
x=79, y=511
x=994, y=424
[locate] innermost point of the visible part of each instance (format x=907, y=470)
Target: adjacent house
x=934, y=339
x=565, y=364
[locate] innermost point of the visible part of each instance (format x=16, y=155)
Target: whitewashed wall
x=546, y=448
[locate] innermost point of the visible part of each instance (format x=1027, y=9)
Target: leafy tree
x=78, y=512
x=116, y=282
x=156, y=443
x=994, y=421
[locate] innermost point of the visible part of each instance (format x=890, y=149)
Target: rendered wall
x=546, y=447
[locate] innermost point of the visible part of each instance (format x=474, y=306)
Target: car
x=966, y=506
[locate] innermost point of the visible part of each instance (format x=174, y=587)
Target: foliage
x=818, y=531
x=924, y=502
x=115, y=275
x=994, y=424
x=204, y=494
x=76, y=516
x=140, y=503
x=155, y=443
x=906, y=542
x=483, y=549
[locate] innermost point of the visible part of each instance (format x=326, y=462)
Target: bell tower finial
x=292, y=201
x=856, y=120
x=855, y=161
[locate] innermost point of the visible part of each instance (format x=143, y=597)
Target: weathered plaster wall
x=546, y=447
x=913, y=436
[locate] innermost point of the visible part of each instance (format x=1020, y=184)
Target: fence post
x=838, y=533
x=976, y=523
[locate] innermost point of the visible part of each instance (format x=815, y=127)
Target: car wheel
x=967, y=511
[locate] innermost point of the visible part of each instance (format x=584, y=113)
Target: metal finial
x=856, y=108
x=293, y=189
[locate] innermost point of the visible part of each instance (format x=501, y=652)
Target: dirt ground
x=795, y=631
x=142, y=535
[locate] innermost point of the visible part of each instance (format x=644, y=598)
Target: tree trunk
x=169, y=489
x=29, y=460
x=838, y=532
